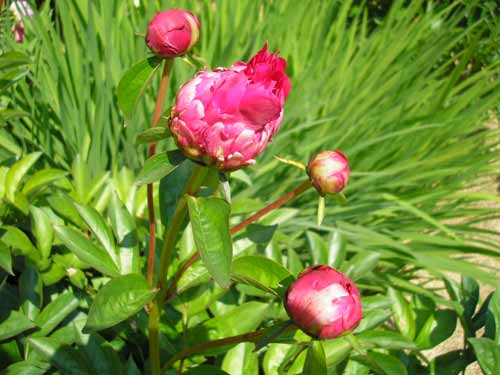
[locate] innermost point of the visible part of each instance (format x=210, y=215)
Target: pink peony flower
x=227, y=117
x=172, y=33
x=324, y=303
x=329, y=172
x=19, y=10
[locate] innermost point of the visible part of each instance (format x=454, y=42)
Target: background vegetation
x=408, y=90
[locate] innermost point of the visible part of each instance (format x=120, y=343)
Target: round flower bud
x=226, y=117
x=324, y=303
x=328, y=172
x=172, y=33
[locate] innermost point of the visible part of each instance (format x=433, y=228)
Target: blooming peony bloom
x=227, y=117
x=19, y=10
x=328, y=172
x=324, y=303
x=172, y=33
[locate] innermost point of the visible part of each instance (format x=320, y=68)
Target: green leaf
x=63, y=357
x=42, y=230
x=13, y=59
x=81, y=181
x=492, y=326
x=210, y=222
x=294, y=263
x=5, y=258
x=241, y=360
x=336, y=249
x=16, y=239
x=262, y=273
x=134, y=82
x=14, y=324
x=315, y=360
x=86, y=251
x=100, y=228
x=172, y=187
x=488, y=354
x=274, y=357
x=132, y=368
x=16, y=174
x=118, y=300
x=361, y=264
x=404, y=316
x=243, y=318
x=385, y=339
x=372, y=319
x=100, y=354
x=197, y=299
x=438, y=327
x=158, y=166
x=453, y=362
x=8, y=142
x=153, y=135
x=470, y=296
x=32, y=366
x=383, y=364
x=319, y=248
x=31, y=292
x=42, y=179
x=55, y=312
x=7, y=114
x=125, y=231
x=62, y=204
x=336, y=350
x=9, y=353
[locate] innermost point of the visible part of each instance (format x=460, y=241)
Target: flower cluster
x=225, y=118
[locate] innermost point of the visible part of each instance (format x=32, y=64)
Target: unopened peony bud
x=328, y=172
x=324, y=303
x=172, y=33
x=227, y=117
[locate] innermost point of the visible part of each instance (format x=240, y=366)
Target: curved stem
x=246, y=337
x=169, y=241
x=167, y=68
x=277, y=203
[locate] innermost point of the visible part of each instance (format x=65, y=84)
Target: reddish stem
x=276, y=204
x=152, y=148
x=246, y=337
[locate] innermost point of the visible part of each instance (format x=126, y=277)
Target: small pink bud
x=328, y=172
x=172, y=33
x=227, y=117
x=324, y=303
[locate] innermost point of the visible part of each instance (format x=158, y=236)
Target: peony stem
x=276, y=204
x=198, y=348
x=167, y=68
x=169, y=240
